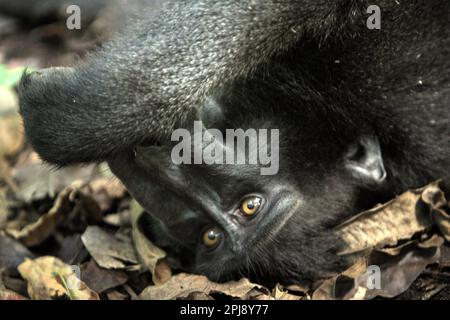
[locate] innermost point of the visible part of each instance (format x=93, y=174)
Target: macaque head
x=266, y=209
x=226, y=219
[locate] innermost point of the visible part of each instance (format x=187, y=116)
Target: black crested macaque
x=363, y=115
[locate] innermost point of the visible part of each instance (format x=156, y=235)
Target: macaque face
x=227, y=221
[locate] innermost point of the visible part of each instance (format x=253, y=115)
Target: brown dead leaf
x=100, y=280
x=162, y=273
x=413, y=213
x=297, y=289
x=444, y=261
x=181, y=285
x=396, y=220
x=71, y=249
x=12, y=253
x=116, y=295
x=147, y=252
x=11, y=135
x=7, y=179
x=35, y=233
x=442, y=220
x=279, y=293
x=117, y=219
x=398, y=268
x=259, y=294
x=329, y=290
x=199, y=296
x=108, y=251
x=440, y=208
x=6, y=294
x=49, y=278
x=37, y=181
x=398, y=272
x=105, y=191
x=14, y=284
x=9, y=103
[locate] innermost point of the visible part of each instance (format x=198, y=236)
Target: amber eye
x=211, y=237
x=250, y=206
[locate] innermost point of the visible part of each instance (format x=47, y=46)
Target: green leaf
x=9, y=77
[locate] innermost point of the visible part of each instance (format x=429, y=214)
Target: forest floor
x=74, y=233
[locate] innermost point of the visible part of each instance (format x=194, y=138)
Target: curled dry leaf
x=413, y=212
x=182, y=285
x=162, y=273
x=259, y=294
x=398, y=270
x=298, y=290
x=329, y=290
x=436, y=199
x=150, y=255
x=49, y=278
x=108, y=251
x=386, y=273
x=38, y=180
x=35, y=233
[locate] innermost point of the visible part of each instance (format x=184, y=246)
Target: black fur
x=160, y=71
x=310, y=68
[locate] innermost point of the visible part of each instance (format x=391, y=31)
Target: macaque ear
x=365, y=161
